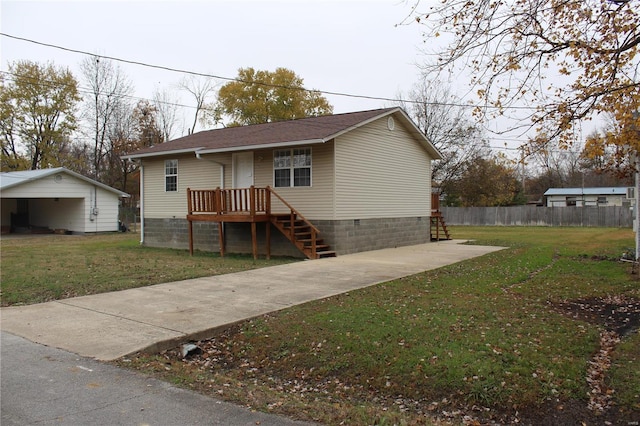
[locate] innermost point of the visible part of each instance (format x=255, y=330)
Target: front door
x=243, y=169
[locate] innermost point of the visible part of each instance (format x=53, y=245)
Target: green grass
x=49, y=267
x=480, y=333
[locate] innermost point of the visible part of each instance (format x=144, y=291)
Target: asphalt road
x=47, y=386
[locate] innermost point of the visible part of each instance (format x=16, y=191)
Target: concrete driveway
x=110, y=325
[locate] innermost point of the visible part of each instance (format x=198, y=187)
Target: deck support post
x=190, y=226
x=221, y=238
x=254, y=240
x=268, y=237
x=190, y=237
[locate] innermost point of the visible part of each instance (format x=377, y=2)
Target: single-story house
x=57, y=199
x=360, y=180
x=585, y=197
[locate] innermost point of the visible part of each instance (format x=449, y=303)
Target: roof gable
x=14, y=179
x=282, y=133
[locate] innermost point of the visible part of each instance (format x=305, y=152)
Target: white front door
x=243, y=169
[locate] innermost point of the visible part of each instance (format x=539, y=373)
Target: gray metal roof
x=607, y=190
x=12, y=179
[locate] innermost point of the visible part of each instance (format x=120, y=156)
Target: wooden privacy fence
x=610, y=216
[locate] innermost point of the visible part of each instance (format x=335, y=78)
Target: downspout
x=141, y=203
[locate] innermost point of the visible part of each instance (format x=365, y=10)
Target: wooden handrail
x=223, y=201
x=292, y=209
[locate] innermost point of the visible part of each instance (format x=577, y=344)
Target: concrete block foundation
x=344, y=236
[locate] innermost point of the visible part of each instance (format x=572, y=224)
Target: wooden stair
x=302, y=234
x=438, y=227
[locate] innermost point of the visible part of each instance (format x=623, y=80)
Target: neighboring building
x=57, y=199
x=585, y=197
x=363, y=179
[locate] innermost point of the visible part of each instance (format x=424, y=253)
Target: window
x=292, y=167
x=602, y=200
x=571, y=201
x=171, y=175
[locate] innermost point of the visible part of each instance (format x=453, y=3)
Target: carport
x=57, y=200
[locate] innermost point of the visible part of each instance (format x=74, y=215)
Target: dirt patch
x=617, y=314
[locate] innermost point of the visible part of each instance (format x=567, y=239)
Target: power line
x=233, y=79
x=88, y=91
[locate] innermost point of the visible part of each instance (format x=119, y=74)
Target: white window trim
x=292, y=168
x=170, y=175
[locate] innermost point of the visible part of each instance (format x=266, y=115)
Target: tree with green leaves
x=256, y=97
x=37, y=115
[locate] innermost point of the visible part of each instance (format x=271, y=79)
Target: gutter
x=159, y=153
x=262, y=146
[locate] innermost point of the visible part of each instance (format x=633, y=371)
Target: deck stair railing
x=300, y=231
x=254, y=205
x=438, y=227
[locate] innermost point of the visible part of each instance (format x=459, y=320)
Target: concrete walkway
x=110, y=325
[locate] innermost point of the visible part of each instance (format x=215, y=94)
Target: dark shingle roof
x=304, y=130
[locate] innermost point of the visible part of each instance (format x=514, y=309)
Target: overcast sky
x=353, y=47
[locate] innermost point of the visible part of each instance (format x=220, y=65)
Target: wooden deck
x=253, y=205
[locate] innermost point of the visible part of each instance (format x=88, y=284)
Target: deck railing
x=229, y=201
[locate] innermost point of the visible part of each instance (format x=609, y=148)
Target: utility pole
x=636, y=210
x=522, y=166
x=636, y=207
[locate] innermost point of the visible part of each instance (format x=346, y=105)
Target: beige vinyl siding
x=192, y=173
x=314, y=202
x=381, y=173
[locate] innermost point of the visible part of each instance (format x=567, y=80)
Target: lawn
x=544, y=332
x=40, y=268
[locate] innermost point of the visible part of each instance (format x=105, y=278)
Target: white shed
x=586, y=197
x=57, y=199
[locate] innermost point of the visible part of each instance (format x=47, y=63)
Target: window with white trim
x=171, y=175
x=292, y=167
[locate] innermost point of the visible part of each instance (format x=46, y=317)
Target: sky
x=356, y=47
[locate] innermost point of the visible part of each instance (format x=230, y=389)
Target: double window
x=171, y=175
x=292, y=167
